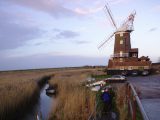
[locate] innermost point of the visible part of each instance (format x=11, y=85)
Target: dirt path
x=148, y=89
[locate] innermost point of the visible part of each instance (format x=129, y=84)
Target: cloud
x=153, y=29
x=13, y=34
x=52, y=7
x=39, y=43
x=114, y=2
x=58, y=9
x=68, y=34
x=156, y=8
x=82, y=42
x=88, y=11
x=65, y=34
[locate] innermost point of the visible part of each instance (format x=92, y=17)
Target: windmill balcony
x=120, y=55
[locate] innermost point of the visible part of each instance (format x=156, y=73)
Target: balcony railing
x=120, y=55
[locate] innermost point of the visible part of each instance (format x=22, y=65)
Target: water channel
x=43, y=107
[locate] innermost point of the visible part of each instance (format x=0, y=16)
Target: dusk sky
x=64, y=33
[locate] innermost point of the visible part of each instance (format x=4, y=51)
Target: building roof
x=144, y=58
x=134, y=50
x=131, y=63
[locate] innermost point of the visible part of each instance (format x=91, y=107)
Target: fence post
x=133, y=102
x=126, y=91
x=129, y=99
x=134, y=108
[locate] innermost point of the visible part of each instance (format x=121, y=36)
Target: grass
x=75, y=101
x=138, y=114
x=122, y=105
x=16, y=95
x=102, y=76
x=18, y=91
x=121, y=101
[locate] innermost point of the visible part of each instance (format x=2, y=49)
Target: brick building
x=125, y=59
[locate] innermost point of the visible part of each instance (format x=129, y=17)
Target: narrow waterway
x=43, y=107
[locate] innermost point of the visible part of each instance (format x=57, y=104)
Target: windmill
x=124, y=57
x=127, y=25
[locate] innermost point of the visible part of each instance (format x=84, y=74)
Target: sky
x=66, y=33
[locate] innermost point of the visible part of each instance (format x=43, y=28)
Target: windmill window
x=121, y=34
x=129, y=67
x=121, y=68
x=134, y=55
x=121, y=52
x=141, y=68
x=121, y=41
x=121, y=59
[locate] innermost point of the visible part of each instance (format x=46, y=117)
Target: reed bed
x=15, y=96
x=121, y=101
x=18, y=91
x=75, y=101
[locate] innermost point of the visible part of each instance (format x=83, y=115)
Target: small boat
x=51, y=90
x=98, y=83
x=95, y=88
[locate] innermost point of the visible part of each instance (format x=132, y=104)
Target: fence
x=134, y=103
x=135, y=108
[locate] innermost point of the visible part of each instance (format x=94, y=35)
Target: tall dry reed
x=121, y=101
x=75, y=101
x=18, y=91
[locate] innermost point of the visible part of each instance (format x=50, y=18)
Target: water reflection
x=43, y=107
x=45, y=103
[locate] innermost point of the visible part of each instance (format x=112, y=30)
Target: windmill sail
x=126, y=26
x=106, y=41
x=111, y=16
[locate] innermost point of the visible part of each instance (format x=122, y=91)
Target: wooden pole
x=134, y=108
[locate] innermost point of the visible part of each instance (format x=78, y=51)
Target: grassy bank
x=15, y=96
x=98, y=77
x=121, y=101
x=75, y=101
x=18, y=92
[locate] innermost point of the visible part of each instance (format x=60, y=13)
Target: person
x=106, y=97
